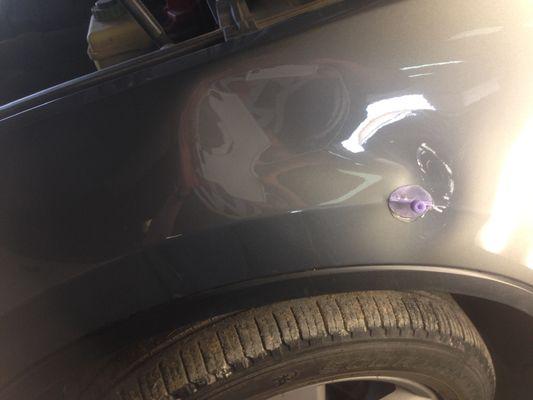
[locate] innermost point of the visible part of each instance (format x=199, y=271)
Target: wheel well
x=508, y=333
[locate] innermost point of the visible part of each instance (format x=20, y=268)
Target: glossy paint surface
x=277, y=159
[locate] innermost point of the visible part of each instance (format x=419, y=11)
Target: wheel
x=352, y=346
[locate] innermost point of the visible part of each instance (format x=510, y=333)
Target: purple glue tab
x=408, y=203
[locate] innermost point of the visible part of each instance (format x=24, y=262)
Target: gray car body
x=264, y=173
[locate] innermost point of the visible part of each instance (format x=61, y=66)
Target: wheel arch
x=232, y=298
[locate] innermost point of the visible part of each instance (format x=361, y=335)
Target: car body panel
x=176, y=180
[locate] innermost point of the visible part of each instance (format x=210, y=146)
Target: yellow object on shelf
x=117, y=40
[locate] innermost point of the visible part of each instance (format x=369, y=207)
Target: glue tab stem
x=409, y=203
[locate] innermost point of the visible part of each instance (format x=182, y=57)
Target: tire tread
x=214, y=352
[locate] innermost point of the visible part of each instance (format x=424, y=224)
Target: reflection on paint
x=282, y=71
x=368, y=180
x=244, y=140
x=437, y=64
x=479, y=92
x=528, y=261
x=424, y=74
x=382, y=113
x=477, y=32
x=512, y=214
x=434, y=169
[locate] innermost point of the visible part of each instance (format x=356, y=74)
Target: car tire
x=257, y=354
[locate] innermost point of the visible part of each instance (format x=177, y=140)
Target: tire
x=256, y=354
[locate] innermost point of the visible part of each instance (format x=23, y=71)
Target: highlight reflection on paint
x=437, y=64
x=477, y=32
x=512, y=214
x=382, y=113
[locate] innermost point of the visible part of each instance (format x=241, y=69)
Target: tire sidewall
x=446, y=372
